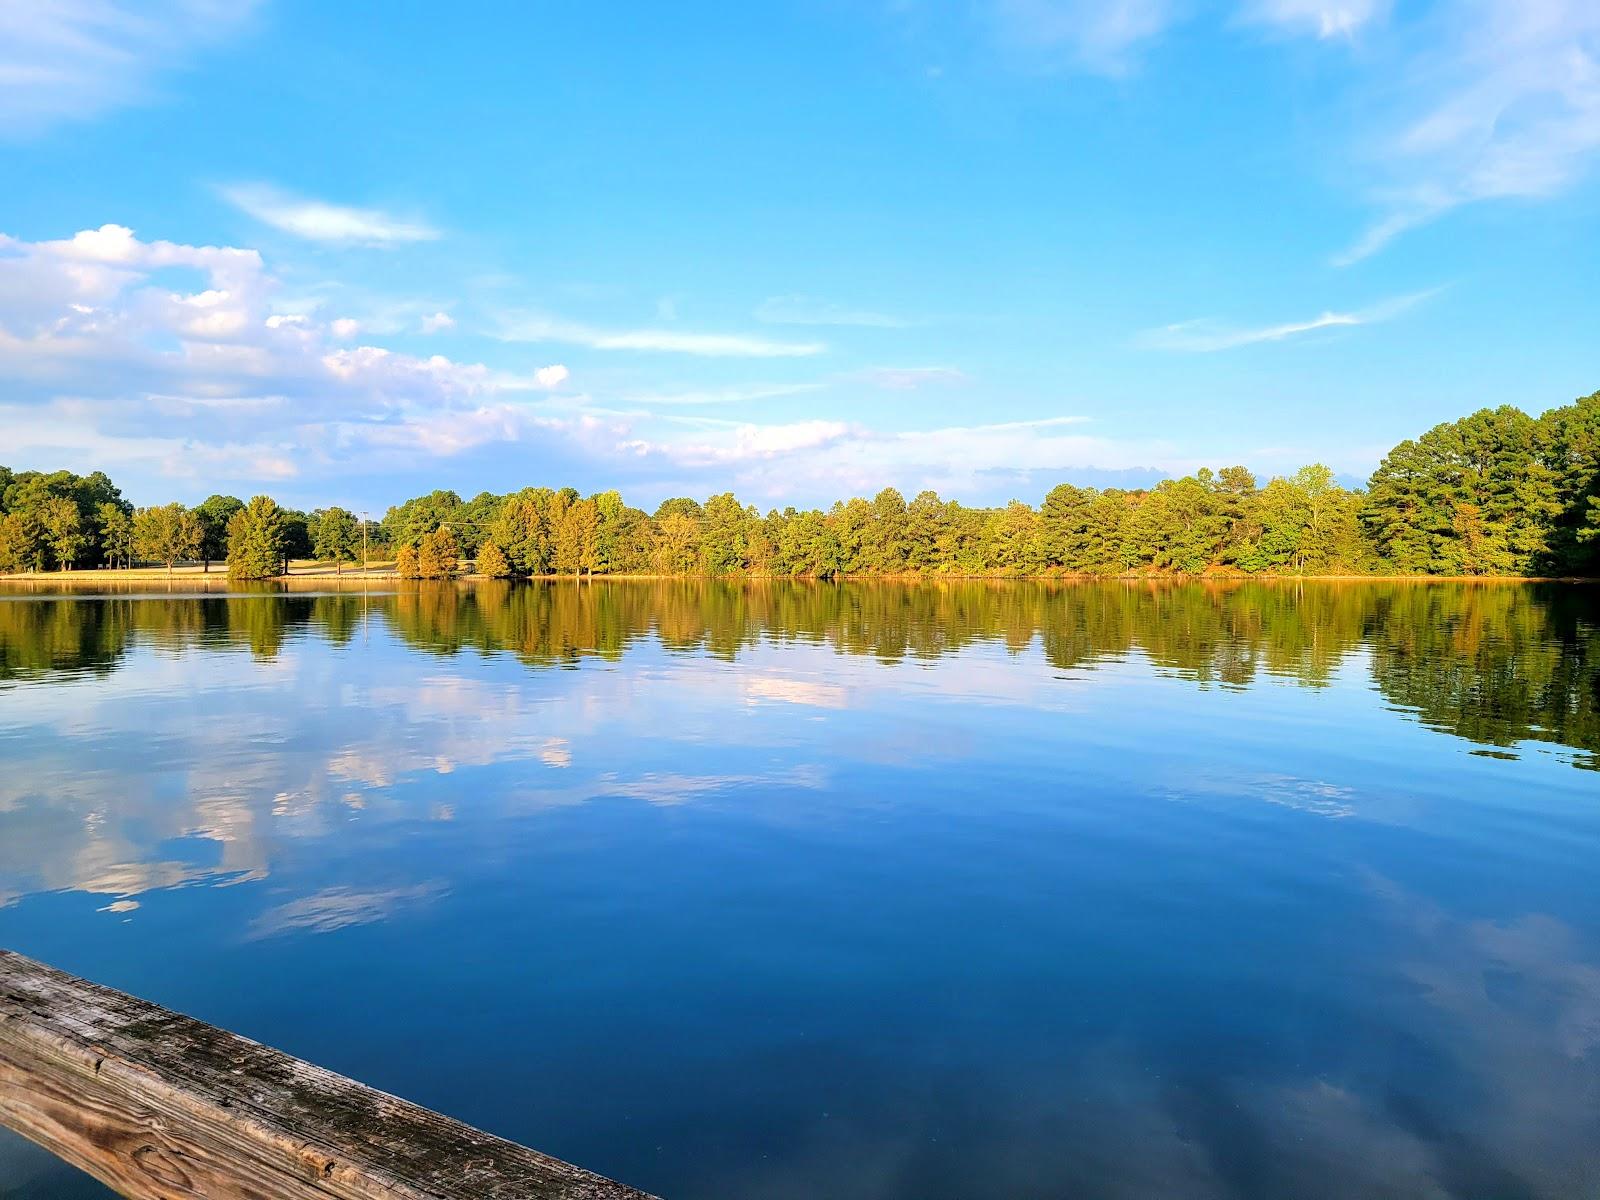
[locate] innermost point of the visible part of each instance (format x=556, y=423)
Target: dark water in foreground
x=858, y=891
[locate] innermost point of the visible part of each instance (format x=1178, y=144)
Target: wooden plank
x=160, y=1106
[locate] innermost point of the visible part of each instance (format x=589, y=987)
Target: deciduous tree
x=167, y=533
x=492, y=561
x=438, y=556
x=215, y=512
x=337, y=537
x=405, y=563
x=116, y=534
x=63, y=530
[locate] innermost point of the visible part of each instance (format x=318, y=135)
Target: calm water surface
x=854, y=891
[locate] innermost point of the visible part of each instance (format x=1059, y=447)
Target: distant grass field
x=298, y=568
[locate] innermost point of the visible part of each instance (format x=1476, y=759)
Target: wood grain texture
x=159, y=1106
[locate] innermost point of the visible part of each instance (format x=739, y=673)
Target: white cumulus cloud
x=170, y=358
x=738, y=443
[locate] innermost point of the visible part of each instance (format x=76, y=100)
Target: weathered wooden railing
x=159, y=1106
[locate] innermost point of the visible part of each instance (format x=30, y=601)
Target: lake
x=784, y=890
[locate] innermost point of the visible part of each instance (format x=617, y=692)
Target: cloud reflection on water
x=1280, y=986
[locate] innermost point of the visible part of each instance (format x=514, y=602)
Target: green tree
x=1168, y=529
x=681, y=505
x=1469, y=497
x=22, y=542
x=925, y=521
x=724, y=531
x=576, y=536
x=1063, y=527
x=167, y=533
x=1320, y=497
x=1283, y=518
x=63, y=530
x=474, y=519
x=214, y=513
x=888, y=545
x=256, y=540
x=296, y=536
x=1569, y=447
x=438, y=557
x=418, y=517
x=621, y=536
x=851, y=523
x=523, y=529
x=337, y=537
x=677, y=540
x=806, y=545
x=1012, y=541
x=1108, y=534
x=116, y=534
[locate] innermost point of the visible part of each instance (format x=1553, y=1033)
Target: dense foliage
x=167, y=533
x=335, y=537
x=1495, y=493
x=214, y=513
x=256, y=537
x=58, y=519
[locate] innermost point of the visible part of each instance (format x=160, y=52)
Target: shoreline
x=321, y=577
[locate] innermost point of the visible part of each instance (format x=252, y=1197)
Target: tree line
x=1495, y=493
x=67, y=522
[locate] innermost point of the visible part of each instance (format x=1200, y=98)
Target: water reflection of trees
x=1496, y=664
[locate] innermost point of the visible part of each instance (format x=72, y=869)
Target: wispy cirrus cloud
x=907, y=379
x=808, y=310
x=320, y=221
x=666, y=341
x=1501, y=100
x=1322, y=18
x=1206, y=336
x=1101, y=36
x=1460, y=101
x=64, y=60
x=697, y=397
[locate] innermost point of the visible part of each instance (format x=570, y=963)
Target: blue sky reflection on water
x=787, y=918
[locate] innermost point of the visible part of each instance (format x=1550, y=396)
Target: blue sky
x=800, y=248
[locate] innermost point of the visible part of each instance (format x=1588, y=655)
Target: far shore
x=323, y=574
